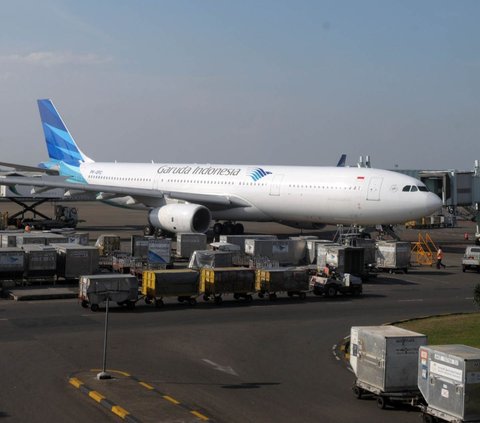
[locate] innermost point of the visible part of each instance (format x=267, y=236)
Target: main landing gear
x=228, y=228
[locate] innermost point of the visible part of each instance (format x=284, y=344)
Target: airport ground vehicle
x=471, y=258
x=290, y=280
x=330, y=285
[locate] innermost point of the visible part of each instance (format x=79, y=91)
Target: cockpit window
x=406, y=188
x=423, y=188
x=414, y=188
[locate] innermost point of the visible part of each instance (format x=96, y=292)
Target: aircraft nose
x=433, y=202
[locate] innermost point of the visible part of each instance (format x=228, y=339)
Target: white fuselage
x=303, y=196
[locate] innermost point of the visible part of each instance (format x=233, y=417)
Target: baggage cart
x=180, y=283
x=216, y=282
x=392, y=256
x=74, y=260
x=384, y=360
x=95, y=289
x=290, y=280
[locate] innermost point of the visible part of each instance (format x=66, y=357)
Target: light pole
x=103, y=374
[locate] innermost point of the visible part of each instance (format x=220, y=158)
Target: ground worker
x=440, y=258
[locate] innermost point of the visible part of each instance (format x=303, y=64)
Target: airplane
x=188, y=197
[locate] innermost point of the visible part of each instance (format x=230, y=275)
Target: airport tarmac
x=263, y=361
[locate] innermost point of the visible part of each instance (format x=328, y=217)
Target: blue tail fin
x=62, y=149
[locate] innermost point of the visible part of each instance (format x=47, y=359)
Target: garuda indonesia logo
x=258, y=173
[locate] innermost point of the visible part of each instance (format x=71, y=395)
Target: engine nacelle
x=181, y=218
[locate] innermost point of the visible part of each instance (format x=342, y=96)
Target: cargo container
x=343, y=259
x=369, y=247
x=312, y=247
x=40, y=261
x=139, y=246
x=8, y=238
x=187, y=243
x=74, y=260
x=180, y=283
x=209, y=258
x=449, y=380
x=159, y=251
x=273, y=281
x=285, y=251
x=384, y=360
x=392, y=256
x=95, y=289
x=215, y=282
x=322, y=250
x=30, y=238
x=107, y=244
x=12, y=262
x=54, y=238
x=240, y=239
x=80, y=238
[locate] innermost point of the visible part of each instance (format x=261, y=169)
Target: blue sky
x=254, y=82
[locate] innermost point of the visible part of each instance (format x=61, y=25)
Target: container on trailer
x=289, y=280
x=40, y=260
x=81, y=238
x=12, y=262
x=209, y=258
x=8, y=238
x=107, y=244
x=369, y=247
x=343, y=259
x=74, y=260
x=385, y=358
x=285, y=251
x=30, y=238
x=170, y=283
x=229, y=280
x=312, y=247
x=393, y=255
x=95, y=289
x=449, y=380
x=139, y=246
x=187, y=243
x=54, y=238
x=322, y=250
x=240, y=239
x=159, y=251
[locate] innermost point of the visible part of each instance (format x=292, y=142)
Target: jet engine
x=181, y=218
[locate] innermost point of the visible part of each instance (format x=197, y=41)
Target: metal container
x=159, y=251
x=449, y=380
x=40, y=260
x=187, y=243
x=74, y=260
x=108, y=244
x=281, y=280
x=209, y=258
x=139, y=246
x=369, y=247
x=385, y=357
x=80, y=238
x=322, y=250
x=312, y=248
x=54, y=238
x=170, y=283
x=118, y=288
x=285, y=251
x=30, y=238
x=392, y=255
x=8, y=238
x=344, y=259
x=240, y=239
x=228, y=280
x=12, y=262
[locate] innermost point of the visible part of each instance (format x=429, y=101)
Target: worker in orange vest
x=440, y=258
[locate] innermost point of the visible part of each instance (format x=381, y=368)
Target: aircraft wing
x=44, y=183
x=26, y=168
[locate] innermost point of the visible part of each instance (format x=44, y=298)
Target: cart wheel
x=290, y=294
x=192, y=302
x=236, y=296
x=84, y=303
x=272, y=296
x=261, y=295
x=302, y=295
x=248, y=298
x=94, y=307
x=218, y=300
x=158, y=302
x=130, y=305
x=381, y=402
x=331, y=291
x=181, y=299
x=206, y=297
x=357, y=391
x=427, y=418
x=148, y=300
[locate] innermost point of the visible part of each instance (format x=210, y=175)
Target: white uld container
x=117, y=287
x=285, y=251
x=385, y=357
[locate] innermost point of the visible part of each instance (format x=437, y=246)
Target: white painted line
x=3, y=320
x=469, y=298
x=224, y=369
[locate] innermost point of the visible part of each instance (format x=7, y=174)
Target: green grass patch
x=453, y=329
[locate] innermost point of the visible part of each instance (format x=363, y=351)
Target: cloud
x=54, y=58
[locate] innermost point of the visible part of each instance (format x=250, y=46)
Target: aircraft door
x=373, y=193
x=276, y=184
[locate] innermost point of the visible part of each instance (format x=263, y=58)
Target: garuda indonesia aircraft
x=189, y=197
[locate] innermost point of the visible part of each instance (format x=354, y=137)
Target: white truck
x=471, y=258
